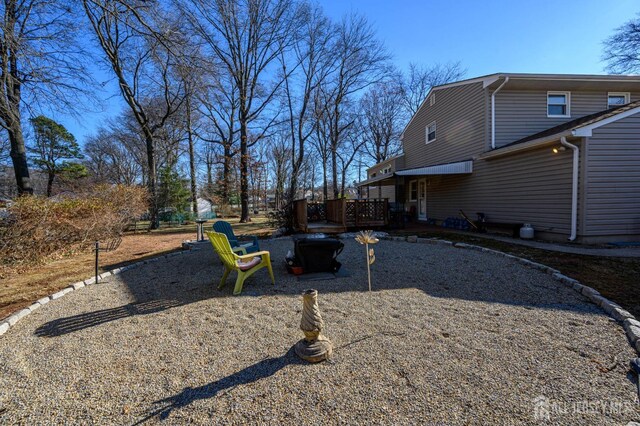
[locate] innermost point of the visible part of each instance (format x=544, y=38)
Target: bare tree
x=312, y=63
x=246, y=37
x=361, y=61
x=134, y=38
x=421, y=79
x=109, y=160
x=280, y=157
x=41, y=64
x=380, y=120
x=347, y=153
x=622, y=49
x=218, y=102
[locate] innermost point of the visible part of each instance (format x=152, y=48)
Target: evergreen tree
x=53, y=147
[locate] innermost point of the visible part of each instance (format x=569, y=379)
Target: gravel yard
x=449, y=336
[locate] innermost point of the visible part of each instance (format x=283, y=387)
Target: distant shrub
x=281, y=219
x=35, y=228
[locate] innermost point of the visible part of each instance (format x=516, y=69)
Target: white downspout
x=493, y=113
x=574, y=187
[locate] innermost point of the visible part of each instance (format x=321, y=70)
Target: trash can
x=318, y=254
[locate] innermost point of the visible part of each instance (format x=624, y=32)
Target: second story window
x=558, y=104
x=615, y=99
x=431, y=132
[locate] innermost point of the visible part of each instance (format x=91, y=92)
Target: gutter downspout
x=574, y=187
x=493, y=113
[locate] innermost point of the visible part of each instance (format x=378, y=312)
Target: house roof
x=388, y=160
x=580, y=127
x=459, y=167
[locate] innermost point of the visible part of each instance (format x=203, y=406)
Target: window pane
x=432, y=136
x=616, y=100
x=557, y=110
x=557, y=99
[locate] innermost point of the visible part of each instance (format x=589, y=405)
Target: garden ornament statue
x=314, y=347
x=366, y=238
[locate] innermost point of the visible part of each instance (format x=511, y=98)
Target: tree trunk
x=325, y=184
x=192, y=160
x=51, y=176
x=152, y=184
x=226, y=173
x=244, y=175
x=19, y=160
x=334, y=171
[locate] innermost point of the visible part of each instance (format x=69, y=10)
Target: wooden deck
x=337, y=216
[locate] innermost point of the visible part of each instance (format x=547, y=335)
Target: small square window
x=558, y=104
x=616, y=99
x=431, y=132
x=413, y=190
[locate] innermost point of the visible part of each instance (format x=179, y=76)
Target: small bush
x=281, y=219
x=36, y=228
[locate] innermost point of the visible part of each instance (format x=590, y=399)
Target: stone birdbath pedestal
x=314, y=347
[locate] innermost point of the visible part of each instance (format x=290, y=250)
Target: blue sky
x=490, y=36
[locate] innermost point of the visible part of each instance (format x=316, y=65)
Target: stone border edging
x=12, y=319
x=630, y=324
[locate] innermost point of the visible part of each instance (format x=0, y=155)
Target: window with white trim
x=386, y=170
x=413, y=190
x=558, y=104
x=616, y=99
x=431, y=132
x=432, y=99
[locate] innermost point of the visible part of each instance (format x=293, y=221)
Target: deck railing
x=370, y=212
x=336, y=211
x=348, y=213
x=300, y=215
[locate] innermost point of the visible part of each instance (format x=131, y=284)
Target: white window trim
x=427, y=141
x=432, y=99
x=416, y=183
x=627, y=98
x=567, y=97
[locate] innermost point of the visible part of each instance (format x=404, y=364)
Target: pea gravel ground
x=449, y=336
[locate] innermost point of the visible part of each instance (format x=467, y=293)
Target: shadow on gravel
x=261, y=370
x=446, y=273
x=66, y=325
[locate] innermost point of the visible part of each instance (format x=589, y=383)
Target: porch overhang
x=387, y=179
x=459, y=168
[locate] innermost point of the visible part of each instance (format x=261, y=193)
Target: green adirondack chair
x=245, y=264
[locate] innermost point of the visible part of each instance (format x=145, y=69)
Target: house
x=561, y=152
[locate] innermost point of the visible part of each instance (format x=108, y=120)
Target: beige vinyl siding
x=523, y=113
x=385, y=191
x=459, y=113
x=613, y=179
x=532, y=187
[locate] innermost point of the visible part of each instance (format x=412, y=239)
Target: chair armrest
x=240, y=249
x=250, y=255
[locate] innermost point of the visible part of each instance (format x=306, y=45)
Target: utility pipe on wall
x=574, y=187
x=493, y=113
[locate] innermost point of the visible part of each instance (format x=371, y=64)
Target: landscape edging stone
x=629, y=322
x=11, y=320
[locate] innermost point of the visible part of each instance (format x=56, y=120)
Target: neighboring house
x=561, y=152
x=380, y=171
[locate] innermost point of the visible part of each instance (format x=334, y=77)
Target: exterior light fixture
x=559, y=149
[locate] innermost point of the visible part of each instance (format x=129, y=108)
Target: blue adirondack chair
x=247, y=247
